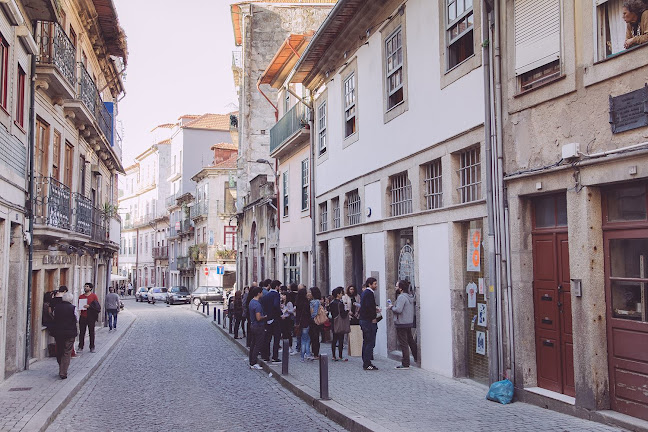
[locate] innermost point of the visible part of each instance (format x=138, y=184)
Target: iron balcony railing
x=293, y=121
x=105, y=120
x=185, y=263
x=99, y=223
x=56, y=49
x=171, y=200
x=227, y=207
x=173, y=232
x=199, y=209
x=186, y=227
x=52, y=204
x=161, y=252
x=91, y=98
x=83, y=214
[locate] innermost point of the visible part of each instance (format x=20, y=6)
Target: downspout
x=137, y=260
x=311, y=123
x=30, y=205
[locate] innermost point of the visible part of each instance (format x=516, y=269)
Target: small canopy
x=114, y=277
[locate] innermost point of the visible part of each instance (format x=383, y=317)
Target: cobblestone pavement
x=174, y=371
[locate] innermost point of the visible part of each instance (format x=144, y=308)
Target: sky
x=179, y=62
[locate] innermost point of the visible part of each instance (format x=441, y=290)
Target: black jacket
x=271, y=303
x=337, y=308
x=65, y=322
x=368, y=305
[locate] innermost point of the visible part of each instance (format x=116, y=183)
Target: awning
x=114, y=277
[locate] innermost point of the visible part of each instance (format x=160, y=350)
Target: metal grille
x=353, y=207
x=291, y=268
x=433, y=185
x=470, y=175
x=401, y=195
x=335, y=203
x=323, y=217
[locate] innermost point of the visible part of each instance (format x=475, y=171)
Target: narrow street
x=174, y=371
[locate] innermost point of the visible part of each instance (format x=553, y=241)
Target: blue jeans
x=112, y=318
x=369, y=330
x=305, y=343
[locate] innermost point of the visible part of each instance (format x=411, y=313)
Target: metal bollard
x=219, y=316
x=285, y=355
x=214, y=314
x=324, y=381
x=207, y=308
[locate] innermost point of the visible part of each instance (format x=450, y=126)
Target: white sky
x=179, y=62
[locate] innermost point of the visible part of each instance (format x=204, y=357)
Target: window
x=401, y=194
x=285, y=194
x=73, y=39
x=82, y=175
x=550, y=211
x=335, y=205
x=459, y=31
x=291, y=268
x=56, y=156
x=353, y=207
x=432, y=185
x=470, y=175
x=321, y=127
x=4, y=72
x=611, y=28
x=230, y=237
x=286, y=101
x=350, y=105
x=323, y=213
x=537, y=42
x=42, y=147
x=394, y=68
x=304, y=185
x=20, y=98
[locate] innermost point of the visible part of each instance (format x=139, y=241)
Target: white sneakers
x=256, y=367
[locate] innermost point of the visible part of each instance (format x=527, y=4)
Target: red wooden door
x=552, y=307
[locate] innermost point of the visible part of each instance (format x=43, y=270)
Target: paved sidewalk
x=415, y=399
x=30, y=400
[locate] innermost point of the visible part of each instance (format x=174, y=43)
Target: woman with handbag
x=315, y=297
x=341, y=323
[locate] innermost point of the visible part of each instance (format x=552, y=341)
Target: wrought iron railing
x=199, y=209
x=161, y=252
x=104, y=118
x=83, y=214
x=171, y=200
x=88, y=93
x=288, y=125
x=51, y=204
x=185, y=263
x=99, y=223
x=57, y=49
x=185, y=227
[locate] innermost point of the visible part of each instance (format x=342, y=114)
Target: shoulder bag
x=340, y=324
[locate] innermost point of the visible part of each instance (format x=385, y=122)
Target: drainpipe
x=137, y=260
x=30, y=204
x=311, y=122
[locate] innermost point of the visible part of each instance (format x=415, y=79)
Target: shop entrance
x=552, y=296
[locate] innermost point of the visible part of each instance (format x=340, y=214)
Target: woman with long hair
x=315, y=330
x=303, y=319
x=238, y=312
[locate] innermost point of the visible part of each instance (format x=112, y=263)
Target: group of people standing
x=269, y=312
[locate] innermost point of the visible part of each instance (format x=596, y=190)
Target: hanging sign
x=480, y=346
x=474, y=250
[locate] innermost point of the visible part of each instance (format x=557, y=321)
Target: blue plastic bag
x=501, y=391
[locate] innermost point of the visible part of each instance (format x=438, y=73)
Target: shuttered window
x=537, y=34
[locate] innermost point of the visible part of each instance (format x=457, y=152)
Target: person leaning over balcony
x=635, y=14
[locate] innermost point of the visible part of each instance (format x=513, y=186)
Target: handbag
x=379, y=317
x=342, y=324
x=321, y=316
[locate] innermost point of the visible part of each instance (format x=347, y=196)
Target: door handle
x=547, y=343
x=560, y=288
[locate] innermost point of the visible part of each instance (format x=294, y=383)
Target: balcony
x=185, y=263
x=55, y=64
x=83, y=215
x=161, y=252
x=200, y=209
x=52, y=204
x=186, y=227
x=173, y=232
x=293, y=125
x=99, y=233
x=171, y=200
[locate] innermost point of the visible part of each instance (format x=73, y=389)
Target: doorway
x=552, y=296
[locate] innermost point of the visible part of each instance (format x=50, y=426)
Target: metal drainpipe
x=137, y=260
x=30, y=205
x=311, y=122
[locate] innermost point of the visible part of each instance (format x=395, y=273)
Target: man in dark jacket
x=368, y=322
x=65, y=332
x=271, y=303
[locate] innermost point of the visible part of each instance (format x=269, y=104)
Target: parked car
x=178, y=294
x=207, y=294
x=141, y=294
x=158, y=293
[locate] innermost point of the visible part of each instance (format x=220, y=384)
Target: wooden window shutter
x=537, y=34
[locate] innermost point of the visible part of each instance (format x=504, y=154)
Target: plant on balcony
x=226, y=254
x=110, y=210
x=198, y=252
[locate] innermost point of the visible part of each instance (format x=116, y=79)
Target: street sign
x=206, y=271
x=220, y=270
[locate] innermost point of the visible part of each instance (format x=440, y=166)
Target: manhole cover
x=20, y=389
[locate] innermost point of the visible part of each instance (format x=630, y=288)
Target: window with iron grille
x=353, y=207
x=291, y=268
x=321, y=127
x=433, y=186
x=323, y=216
x=394, y=60
x=335, y=205
x=285, y=194
x=304, y=185
x=470, y=175
x=349, y=105
x=459, y=31
x=401, y=194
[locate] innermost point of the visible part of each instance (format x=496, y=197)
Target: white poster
x=481, y=285
x=481, y=343
x=471, y=291
x=473, y=258
x=481, y=314
x=211, y=238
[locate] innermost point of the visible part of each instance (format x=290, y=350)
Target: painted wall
x=296, y=228
x=336, y=262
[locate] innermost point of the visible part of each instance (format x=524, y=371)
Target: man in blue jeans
x=257, y=326
x=112, y=308
x=368, y=322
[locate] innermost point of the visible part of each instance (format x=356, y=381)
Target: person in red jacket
x=89, y=309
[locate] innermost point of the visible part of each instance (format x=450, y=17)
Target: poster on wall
x=211, y=238
x=481, y=314
x=480, y=346
x=473, y=258
x=481, y=285
x=471, y=291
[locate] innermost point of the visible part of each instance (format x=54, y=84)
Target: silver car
x=158, y=294
x=178, y=294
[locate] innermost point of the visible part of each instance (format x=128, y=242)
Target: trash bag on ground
x=501, y=391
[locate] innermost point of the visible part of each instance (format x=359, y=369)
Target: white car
x=158, y=294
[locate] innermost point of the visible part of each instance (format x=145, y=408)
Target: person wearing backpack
x=403, y=312
x=341, y=323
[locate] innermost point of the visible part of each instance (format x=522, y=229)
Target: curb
x=46, y=415
x=331, y=409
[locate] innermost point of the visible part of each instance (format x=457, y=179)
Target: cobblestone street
x=174, y=371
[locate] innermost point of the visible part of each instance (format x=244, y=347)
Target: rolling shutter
x=537, y=33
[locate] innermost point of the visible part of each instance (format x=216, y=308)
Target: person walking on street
x=238, y=313
x=304, y=321
x=65, y=332
x=130, y=289
x=89, y=314
x=338, y=312
x=112, y=308
x=404, y=321
x=257, y=326
x=369, y=322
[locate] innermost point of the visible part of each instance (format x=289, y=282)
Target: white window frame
x=323, y=216
x=305, y=184
x=392, y=58
x=349, y=87
x=450, y=24
x=286, y=194
x=322, y=127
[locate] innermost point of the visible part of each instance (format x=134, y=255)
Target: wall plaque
x=629, y=111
